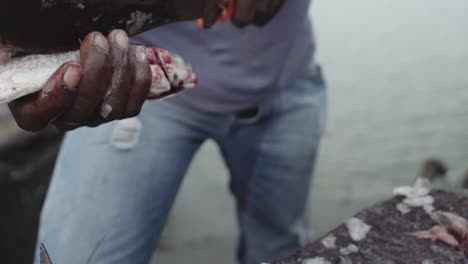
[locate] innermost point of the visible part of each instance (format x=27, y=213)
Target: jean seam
x=253, y=171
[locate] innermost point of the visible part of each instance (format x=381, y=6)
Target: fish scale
x=28, y=74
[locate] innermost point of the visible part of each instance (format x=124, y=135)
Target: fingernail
x=72, y=76
x=140, y=54
x=106, y=110
x=101, y=42
x=121, y=40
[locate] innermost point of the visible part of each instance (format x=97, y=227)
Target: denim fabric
x=111, y=193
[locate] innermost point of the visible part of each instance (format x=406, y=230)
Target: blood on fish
x=167, y=59
x=28, y=74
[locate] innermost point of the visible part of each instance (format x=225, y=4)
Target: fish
x=451, y=229
x=51, y=26
x=37, y=36
x=19, y=77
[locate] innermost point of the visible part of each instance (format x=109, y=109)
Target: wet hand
x=112, y=82
x=258, y=12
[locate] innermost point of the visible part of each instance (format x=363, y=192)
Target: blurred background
x=397, y=74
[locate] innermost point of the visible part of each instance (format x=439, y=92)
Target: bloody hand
x=112, y=82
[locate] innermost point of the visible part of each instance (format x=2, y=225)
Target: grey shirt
x=238, y=68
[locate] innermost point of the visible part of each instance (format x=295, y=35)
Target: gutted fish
x=28, y=74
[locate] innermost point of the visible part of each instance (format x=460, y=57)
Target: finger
x=212, y=13
x=277, y=5
x=63, y=127
x=37, y=111
x=245, y=12
x=115, y=102
x=266, y=11
x=141, y=81
x=263, y=10
x=97, y=73
x=263, y=6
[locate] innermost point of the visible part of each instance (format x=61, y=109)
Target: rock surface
x=390, y=238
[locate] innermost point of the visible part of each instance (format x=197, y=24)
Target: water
x=398, y=79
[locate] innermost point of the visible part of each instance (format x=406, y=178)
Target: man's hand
x=258, y=12
x=112, y=82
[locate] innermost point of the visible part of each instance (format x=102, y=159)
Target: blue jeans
x=113, y=185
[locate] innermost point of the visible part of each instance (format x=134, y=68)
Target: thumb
x=267, y=10
x=36, y=111
x=245, y=12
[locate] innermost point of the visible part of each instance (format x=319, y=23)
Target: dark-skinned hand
x=112, y=82
x=257, y=12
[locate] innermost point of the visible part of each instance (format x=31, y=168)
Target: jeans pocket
x=307, y=91
x=314, y=74
x=314, y=94
x=310, y=84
